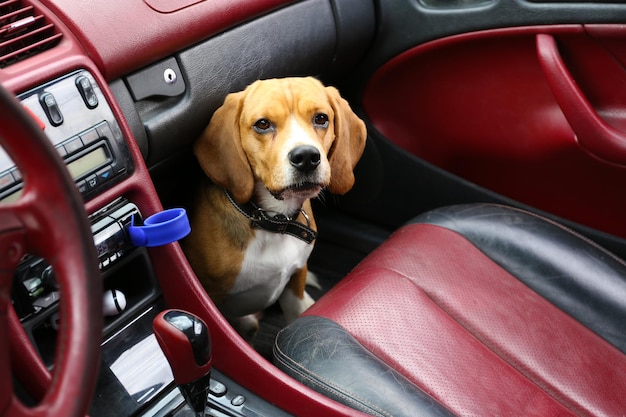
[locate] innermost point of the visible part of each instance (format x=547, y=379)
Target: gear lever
x=184, y=339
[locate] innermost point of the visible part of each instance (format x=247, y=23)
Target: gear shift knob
x=184, y=339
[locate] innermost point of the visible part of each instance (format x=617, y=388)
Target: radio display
x=87, y=162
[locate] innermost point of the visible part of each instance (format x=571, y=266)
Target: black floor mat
x=272, y=320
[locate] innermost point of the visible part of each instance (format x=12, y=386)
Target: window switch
x=87, y=92
x=50, y=106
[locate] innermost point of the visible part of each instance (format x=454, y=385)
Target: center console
x=75, y=116
x=135, y=377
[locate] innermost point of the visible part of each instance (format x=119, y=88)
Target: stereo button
x=61, y=150
x=92, y=182
x=73, y=145
x=6, y=180
x=90, y=136
x=105, y=131
x=82, y=186
x=104, y=174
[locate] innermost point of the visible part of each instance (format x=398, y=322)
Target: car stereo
x=35, y=288
x=75, y=116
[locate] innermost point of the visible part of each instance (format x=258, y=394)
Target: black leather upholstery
x=575, y=274
x=334, y=363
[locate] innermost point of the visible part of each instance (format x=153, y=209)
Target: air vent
x=24, y=32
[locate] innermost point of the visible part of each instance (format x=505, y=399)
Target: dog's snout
x=304, y=158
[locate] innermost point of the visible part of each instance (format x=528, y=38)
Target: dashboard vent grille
x=24, y=32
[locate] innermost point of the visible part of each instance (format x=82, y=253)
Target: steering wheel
x=49, y=220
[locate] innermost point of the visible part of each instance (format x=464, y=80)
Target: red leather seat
x=476, y=310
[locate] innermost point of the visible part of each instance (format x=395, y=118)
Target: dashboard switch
x=50, y=106
x=86, y=92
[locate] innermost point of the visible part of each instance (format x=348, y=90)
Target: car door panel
x=480, y=106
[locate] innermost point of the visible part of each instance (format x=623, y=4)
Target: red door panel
x=481, y=106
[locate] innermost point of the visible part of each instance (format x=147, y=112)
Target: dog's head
x=292, y=135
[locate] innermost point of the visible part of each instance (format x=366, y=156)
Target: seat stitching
x=307, y=374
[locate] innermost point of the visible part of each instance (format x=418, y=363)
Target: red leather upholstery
x=437, y=309
x=118, y=45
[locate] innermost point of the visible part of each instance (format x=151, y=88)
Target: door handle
x=592, y=132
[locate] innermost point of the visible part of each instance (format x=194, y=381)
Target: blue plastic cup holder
x=161, y=228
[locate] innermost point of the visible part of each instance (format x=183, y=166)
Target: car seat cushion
x=453, y=316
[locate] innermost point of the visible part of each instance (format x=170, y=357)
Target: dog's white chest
x=270, y=260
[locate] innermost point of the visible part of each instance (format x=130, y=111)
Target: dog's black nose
x=304, y=158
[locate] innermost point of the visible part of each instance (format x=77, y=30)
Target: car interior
x=475, y=268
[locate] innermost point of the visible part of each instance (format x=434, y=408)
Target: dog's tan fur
x=253, y=166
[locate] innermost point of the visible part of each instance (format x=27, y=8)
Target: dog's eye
x=320, y=120
x=263, y=126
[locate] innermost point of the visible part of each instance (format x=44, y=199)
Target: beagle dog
x=268, y=150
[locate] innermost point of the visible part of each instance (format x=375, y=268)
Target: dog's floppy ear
x=220, y=153
x=350, y=135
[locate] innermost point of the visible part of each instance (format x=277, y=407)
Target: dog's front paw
x=247, y=326
x=313, y=281
x=293, y=306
